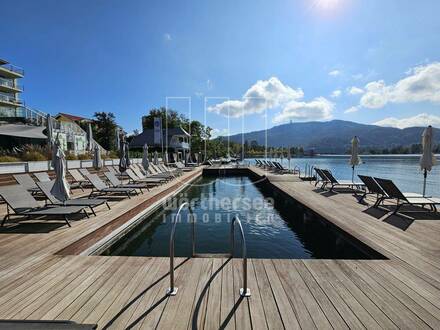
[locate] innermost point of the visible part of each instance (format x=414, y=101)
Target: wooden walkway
x=129, y=292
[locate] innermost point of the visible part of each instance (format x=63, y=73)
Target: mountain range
x=335, y=136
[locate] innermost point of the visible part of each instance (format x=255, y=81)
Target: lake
x=404, y=170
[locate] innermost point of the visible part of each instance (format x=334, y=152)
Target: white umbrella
x=49, y=126
x=90, y=137
x=165, y=158
x=427, y=161
x=145, y=162
x=354, y=159
x=60, y=188
x=156, y=158
x=97, y=161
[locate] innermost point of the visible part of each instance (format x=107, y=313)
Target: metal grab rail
x=244, y=291
x=172, y=290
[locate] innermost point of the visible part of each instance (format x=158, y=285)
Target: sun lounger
x=341, y=183
x=26, y=181
x=115, y=182
x=374, y=188
x=143, y=179
x=42, y=176
x=184, y=168
x=21, y=202
x=321, y=178
x=394, y=192
x=84, y=171
x=100, y=188
x=79, y=179
x=86, y=202
x=154, y=173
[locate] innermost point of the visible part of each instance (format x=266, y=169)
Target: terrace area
x=47, y=272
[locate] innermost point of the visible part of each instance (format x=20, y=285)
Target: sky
x=234, y=65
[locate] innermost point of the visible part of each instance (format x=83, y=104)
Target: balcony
x=8, y=86
x=9, y=100
x=11, y=71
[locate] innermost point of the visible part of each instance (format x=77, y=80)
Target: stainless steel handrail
x=244, y=291
x=172, y=290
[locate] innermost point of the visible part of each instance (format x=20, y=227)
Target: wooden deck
x=129, y=292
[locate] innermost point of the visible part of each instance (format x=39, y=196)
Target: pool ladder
x=172, y=290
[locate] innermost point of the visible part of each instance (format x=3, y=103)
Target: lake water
x=404, y=170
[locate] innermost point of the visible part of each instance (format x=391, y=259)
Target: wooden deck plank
x=417, y=304
x=160, y=301
x=343, y=302
x=242, y=316
x=378, y=315
x=212, y=314
x=288, y=314
x=321, y=298
x=202, y=296
x=227, y=319
x=141, y=300
x=397, y=312
x=258, y=317
x=84, y=296
x=273, y=316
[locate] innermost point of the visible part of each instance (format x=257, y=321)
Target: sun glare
x=327, y=4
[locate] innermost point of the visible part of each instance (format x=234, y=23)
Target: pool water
x=272, y=229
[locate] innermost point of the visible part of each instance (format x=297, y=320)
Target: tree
x=104, y=129
x=170, y=118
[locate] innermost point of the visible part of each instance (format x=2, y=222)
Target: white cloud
x=419, y=120
x=355, y=90
x=421, y=85
x=336, y=93
x=334, y=73
x=263, y=95
x=167, y=37
x=272, y=93
x=352, y=109
x=357, y=76
x=317, y=109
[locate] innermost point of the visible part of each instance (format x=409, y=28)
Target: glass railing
x=9, y=83
x=10, y=99
x=13, y=68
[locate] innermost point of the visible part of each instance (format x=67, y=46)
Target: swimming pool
x=273, y=229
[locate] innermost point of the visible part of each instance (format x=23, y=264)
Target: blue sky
x=290, y=60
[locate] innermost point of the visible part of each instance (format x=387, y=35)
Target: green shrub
x=84, y=157
x=8, y=159
x=71, y=156
x=29, y=156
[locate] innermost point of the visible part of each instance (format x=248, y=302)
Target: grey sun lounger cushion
x=42, y=176
x=115, y=182
x=84, y=171
x=88, y=202
x=27, y=182
x=99, y=187
x=22, y=203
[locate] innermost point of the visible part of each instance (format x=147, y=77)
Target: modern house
x=174, y=140
x=20, y=124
